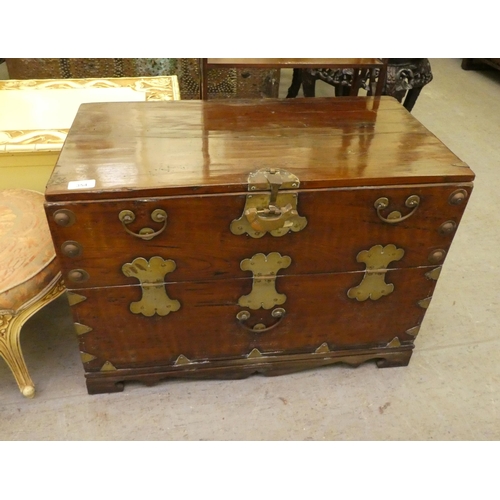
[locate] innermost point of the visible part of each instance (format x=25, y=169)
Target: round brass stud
x=437, y=256
x=158, y=215
x=279, y=312
x=381, y=203
x=71, y=248
x=126, y=216
x=243, y=316
x=64, y=217
x=457, y=197
x=413, y=201
x=78, y=275
x=447, y=227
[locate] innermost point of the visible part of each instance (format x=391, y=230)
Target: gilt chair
x=30, y=276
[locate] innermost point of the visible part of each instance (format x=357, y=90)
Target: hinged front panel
x=318, y=312
x=95, y=239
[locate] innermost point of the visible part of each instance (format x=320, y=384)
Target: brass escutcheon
x=264, y=269
x=146, y=233
x=151, y=275
x=412, y=201
x=373, y=285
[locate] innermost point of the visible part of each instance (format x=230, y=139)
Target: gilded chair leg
x=10, y=330
x=10, y=350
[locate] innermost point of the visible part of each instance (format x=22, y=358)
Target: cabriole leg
x=10, y=350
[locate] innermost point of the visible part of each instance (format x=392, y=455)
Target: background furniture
x=37, y=114
x=357, y=64
x=479, y=64
x=405, y=77
x=222, y=82
x=29, y=274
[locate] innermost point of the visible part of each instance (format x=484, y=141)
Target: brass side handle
x=146, y=233
x=243, y=316
x=395, y=217
x=269, y=219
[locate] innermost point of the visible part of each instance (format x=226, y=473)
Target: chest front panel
x=317, y=311
x=196, y=233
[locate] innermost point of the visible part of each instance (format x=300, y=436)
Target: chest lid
x=136, y=149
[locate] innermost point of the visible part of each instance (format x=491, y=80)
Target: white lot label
x=81, y=184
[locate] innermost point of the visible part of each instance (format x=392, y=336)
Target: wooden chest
x=226, y=238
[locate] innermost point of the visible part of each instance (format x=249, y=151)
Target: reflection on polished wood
x=194, y=147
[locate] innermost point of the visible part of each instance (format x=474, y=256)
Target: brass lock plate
x=274, y=211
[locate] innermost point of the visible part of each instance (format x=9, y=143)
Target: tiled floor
x=450, y=390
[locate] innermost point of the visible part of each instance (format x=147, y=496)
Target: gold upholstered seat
x=29, y=273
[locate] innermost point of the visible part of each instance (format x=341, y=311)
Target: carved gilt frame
x=156, y=88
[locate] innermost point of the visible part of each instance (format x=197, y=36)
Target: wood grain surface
x=181, y=147
x=341, y=223
x=205, y=327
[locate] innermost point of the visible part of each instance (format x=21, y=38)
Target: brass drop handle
x=269, y=219
x=412, y=201
x=242, y=316
x=146, y=233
